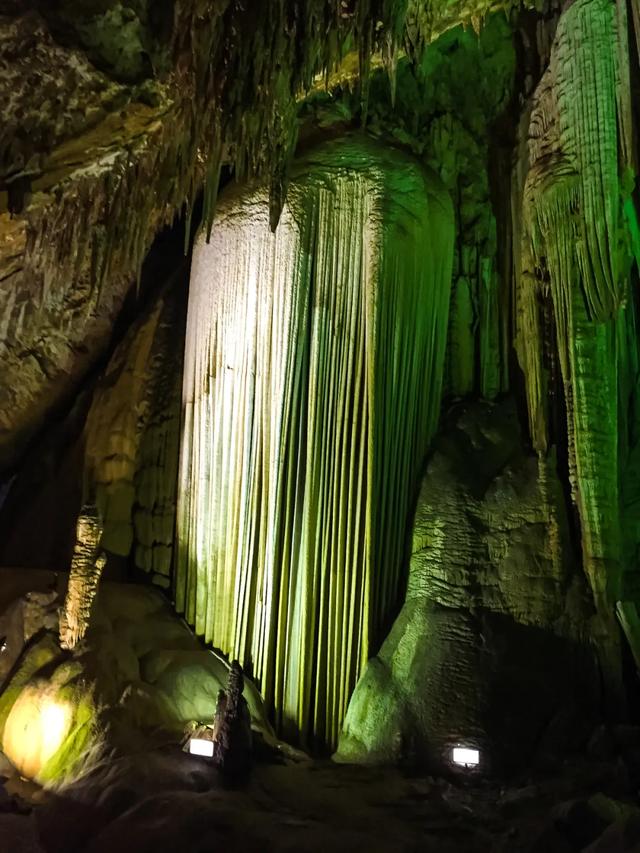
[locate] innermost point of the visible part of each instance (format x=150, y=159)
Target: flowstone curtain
x=313, y=374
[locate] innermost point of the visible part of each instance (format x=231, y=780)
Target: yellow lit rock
x=36, y=729
x=49, y=726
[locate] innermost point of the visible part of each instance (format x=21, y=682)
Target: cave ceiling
x=115, y=115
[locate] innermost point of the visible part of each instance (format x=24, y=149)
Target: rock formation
x=435, y=204
x=84, y=577
x=139, y=678
x=232, y=728
x=313, y=375
x=491, y=648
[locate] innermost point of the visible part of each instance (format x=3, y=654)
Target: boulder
x=140, y=676
x=489, y=650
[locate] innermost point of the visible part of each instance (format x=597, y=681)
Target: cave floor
x=163, y=801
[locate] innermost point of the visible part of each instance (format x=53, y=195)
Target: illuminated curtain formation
x=577, y=243
x=313, y=374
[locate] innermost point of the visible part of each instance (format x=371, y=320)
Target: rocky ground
x=143, y=793
x=165, y=800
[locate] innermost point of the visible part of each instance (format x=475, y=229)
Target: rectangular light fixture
x=201, y=746
x=466, y=757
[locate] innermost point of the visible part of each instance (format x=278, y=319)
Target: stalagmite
x=313, y=375
x=84, y=576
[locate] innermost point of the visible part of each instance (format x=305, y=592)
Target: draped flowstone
x=313, y=374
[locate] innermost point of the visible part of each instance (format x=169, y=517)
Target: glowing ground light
x=465, y=757
x=201, y=746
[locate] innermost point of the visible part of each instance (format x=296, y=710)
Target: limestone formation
x=49, y=724
x=232, y=728
x=313, y=375
x=491, y=647
x=140, y=677
x=448, y=125
x=131, y=439
x=576, y=314
x=84, y=577
x=433, y=202
x=101, y=160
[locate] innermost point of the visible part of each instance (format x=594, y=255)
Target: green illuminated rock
x=491, y=646
x=313, y=376
x=575, y=308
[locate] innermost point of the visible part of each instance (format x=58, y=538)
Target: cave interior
x=319, y=426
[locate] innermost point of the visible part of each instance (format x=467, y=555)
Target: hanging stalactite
x=574, y=264
x=313, y=376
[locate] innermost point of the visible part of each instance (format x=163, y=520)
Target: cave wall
x=131, y=439
x=575, y=281
x=530, y=122
x=87, y=170
x=117, y=448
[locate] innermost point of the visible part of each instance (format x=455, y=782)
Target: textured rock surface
x=93, y=167
x=450, y=126
x=131, y=438
x=117, y=447
x=138, y=675
x=49, y=726
x=575, y=262
x=79, y=233
x=576, y=281
x=490, y=647
x=67, y=95
x=84, y=576
x=313, y=376
x=102, y=168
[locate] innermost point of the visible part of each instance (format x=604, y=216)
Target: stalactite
x=251, y=63
x=84, y=576
x=425, y=21
x=435, y=115
x=623, y=87
x=573, y=257
x=313, y=374
x=227, y=93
